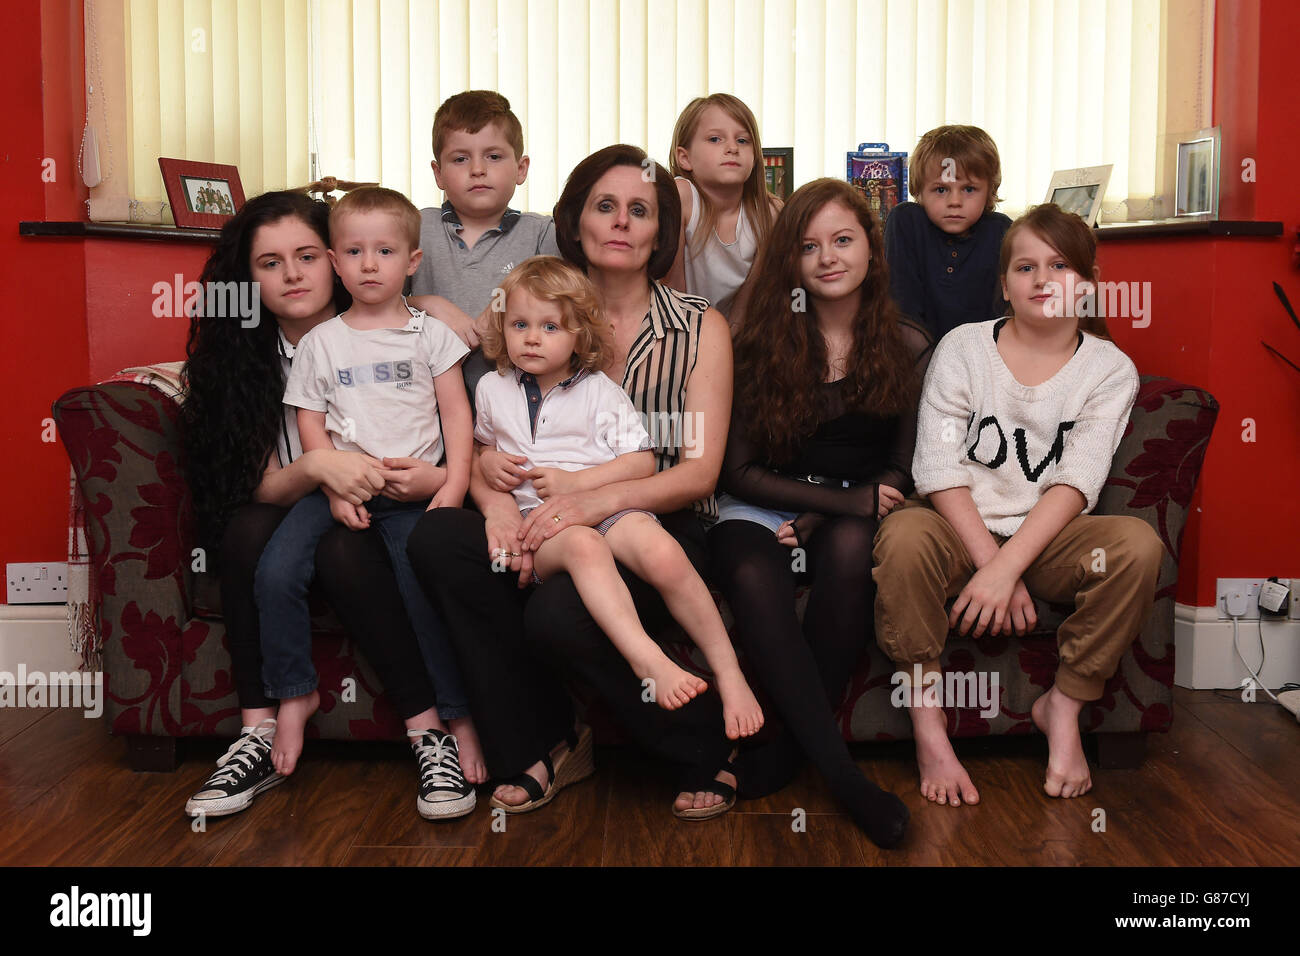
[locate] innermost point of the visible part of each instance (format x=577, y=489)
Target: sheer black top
x=856, y=446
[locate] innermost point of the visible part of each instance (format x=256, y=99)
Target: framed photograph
x=880, y=175
x=778, y=170
x=1196, y=178
x=202, y=195
x=1080, y=191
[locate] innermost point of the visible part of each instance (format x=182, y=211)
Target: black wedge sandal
x=698, y=779
x=574, y=765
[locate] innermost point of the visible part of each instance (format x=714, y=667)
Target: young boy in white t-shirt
x=383, y=380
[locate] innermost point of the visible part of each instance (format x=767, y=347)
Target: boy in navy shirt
x=942, y=249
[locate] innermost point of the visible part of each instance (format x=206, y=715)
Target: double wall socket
x=1249, y=588
x=37, y=583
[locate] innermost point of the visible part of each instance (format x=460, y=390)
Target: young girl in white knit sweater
x=1018, y=421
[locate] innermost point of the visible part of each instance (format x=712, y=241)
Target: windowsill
x=1218, y=228
x=117, y=230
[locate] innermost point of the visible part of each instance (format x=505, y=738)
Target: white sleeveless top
x=718, y=269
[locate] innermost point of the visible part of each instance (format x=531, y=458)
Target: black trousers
x=354, y=571
x=514, y=645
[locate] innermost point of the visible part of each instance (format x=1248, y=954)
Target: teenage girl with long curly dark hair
x=246, y=467
x=820, y=448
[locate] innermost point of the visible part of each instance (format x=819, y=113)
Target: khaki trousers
x=1106, y=565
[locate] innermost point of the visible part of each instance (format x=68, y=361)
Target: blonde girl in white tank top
x=726, y=208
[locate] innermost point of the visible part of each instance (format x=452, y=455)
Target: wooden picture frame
x=202, y=195
x=778, y=171
x=1080, y=191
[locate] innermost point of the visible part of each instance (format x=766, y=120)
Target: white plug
x=1236, y=603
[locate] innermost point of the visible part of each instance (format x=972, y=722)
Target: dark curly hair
x=234, y=385
x=780, y=354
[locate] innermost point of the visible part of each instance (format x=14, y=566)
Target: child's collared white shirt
x=375, y=386
x=583, y=421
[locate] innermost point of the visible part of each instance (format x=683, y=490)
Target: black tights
x=804, y=669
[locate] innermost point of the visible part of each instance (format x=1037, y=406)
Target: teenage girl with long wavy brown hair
x=827, y=379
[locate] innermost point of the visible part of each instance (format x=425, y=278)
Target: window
x=288, y=90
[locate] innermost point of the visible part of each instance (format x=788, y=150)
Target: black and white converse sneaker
x=444, y=792
x=244, y=772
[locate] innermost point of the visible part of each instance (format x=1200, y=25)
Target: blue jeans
x=284, y=574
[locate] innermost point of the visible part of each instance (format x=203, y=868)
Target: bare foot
x=703, y=799
x=672, y=686
x=740, y=711
x=943, y=779
x=1056, y=714
x=292, y=724
x=471, y=751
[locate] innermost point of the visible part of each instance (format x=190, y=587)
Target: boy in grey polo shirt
x=475, y=238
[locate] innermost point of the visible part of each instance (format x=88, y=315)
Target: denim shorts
x=733, y=509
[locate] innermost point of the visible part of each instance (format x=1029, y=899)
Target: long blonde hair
x=754, y=199
x=551, y=279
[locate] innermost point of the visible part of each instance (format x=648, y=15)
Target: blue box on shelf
x=879, y=175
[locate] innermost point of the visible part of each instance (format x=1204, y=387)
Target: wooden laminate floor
x=1222, y=788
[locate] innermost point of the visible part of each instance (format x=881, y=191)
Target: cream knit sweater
x=1008, y=443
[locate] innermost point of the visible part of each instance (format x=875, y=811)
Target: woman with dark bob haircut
x=245, y=468
x=619, y=219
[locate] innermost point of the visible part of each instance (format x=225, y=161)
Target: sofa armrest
x=124, y=442
x=1155, y=468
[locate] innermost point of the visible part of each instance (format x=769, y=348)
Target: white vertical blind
x=217, y=81
x=1057, y=83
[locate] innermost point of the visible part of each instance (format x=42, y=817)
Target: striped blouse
x=659, y=366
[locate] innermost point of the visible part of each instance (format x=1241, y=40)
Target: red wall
x=1214, y=302
x=120, y=276
x=42, y=295
x=72, y=311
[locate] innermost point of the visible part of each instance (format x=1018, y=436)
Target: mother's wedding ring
x=555, y=518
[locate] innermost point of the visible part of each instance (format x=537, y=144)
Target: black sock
x=880, y=814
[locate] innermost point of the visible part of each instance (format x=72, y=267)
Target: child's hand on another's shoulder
x=449, y=315
x=550, y=482
x=349, y=515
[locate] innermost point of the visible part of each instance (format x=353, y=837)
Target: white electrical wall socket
x=1248, y=588
x=37, y=583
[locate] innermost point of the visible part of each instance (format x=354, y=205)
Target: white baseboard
x=1204, y=657
x=36, y=636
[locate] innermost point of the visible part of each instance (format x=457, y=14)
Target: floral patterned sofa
x=167, y=665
